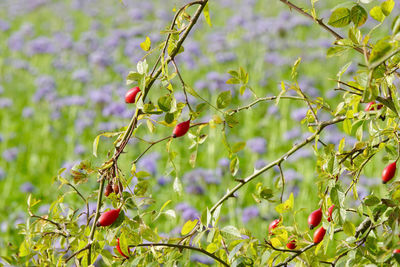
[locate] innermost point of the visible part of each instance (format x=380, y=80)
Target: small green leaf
x=224, y=99
x=377, y=13
x=340, y=17
x=349, y=228
x=165, y=103
x=212, y=247
x=188, y=227
x=387, y=7
x=146, y=44
x=358, y=15
x=238, y=146
x=231, y=230
x=371, y=200
x=206, y=13
x=234, y=165
x=285, y=206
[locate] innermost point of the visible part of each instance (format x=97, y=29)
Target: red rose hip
x=108, y=217
x=119, y=250
x=315, y=218
x=273, y=225
x=319, y=235
x=181, y=129
x=291, y=244
x=389, y=172
x=396, y=251
x=130, y=96
x=330, y=210
x=371, y=106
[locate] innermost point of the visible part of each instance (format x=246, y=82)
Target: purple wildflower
x=27, y=187
x=195, y=189
x=299, y=114
x=5, y=102
x=82, y=75
x=41, y=45
x=149, y=162
x=27, y=112
x=10, y=154
x=201, y=259
x=249, y=213
x=257, y=145
x=2, y=174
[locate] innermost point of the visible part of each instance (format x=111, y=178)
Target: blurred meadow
x=63, y=68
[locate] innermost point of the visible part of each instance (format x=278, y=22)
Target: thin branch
x=289, y=259
x=181, y=247
x=76, y=253
x=183, y=84
x=84, y=199
x=283, y=181
x=318, y=21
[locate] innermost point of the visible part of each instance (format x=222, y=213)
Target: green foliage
x=371, y=223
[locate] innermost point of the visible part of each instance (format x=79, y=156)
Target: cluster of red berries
x=314, y=219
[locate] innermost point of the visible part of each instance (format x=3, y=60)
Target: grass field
x=63, y=66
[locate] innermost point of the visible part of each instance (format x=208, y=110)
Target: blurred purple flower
x=194, y=189
x=16, y=41
x=10, y=154
x=291, y=175
x=188, y=212
x=2, y=174
x=27, y=112
x=4, y=25
x=114, y=109
x=259, y=164
x=45, y=88
x=82, y=75
x=249, y=213
x=223, y=57
x=272, y=110
x=257, y=145
x=79, y=149
x=149, y=162
x=224, y=162
x=41, y=45
x=101, y=58
x=299, y=114
x=292, y=134
x=27, y=187
x=163, y=180
x=5, y=102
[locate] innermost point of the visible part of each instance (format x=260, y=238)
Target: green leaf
x=358, y=15
x=377, y=13
x=212, y=247
x=188, y=227
x=165, y=103
x=336, y=51
x=396, y=25
x=238, y=146
x=231, y=230
x=347, y=126
x=371, y=200
x=234, y=165
x=380, y=50
x=285, y=206
x=142, y=67
x=387, y=7
x=224, y=99
x=349, y=228
x=231, y=120
x=340, y=17
x=97, y=139
x=206, y=13
x=146, y=44
x=24, y=249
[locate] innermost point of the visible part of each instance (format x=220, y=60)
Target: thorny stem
x=182, y=247
x=132, y=124
x=318, y=21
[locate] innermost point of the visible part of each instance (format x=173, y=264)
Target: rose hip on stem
x=319, y=235
x=315, y=218
x=273, y=225
x=389, y=172
x=130, y=96
x=396, y=251
x=291, y=244
x=371, y=106
x=108, y=218
x=181, y=129
x=330, y=210
x=119, y=249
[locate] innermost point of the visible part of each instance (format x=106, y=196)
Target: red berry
x=330, y=210
x=396, y=251
x=181, y=129
x=116, y=189
x=119, y=250
x=273, y=225
x=319, y=235
x=388, y=172
x=315, y=218
x=291, y=244
x=108, y=217
x=130, y=96
x=371, y=106
x=108, y=190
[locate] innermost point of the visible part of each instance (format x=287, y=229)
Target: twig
x=183, y=84
x=283, y=181
x=84, y=199
x=181, y=247
x=289, y=259
x=318, y=21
